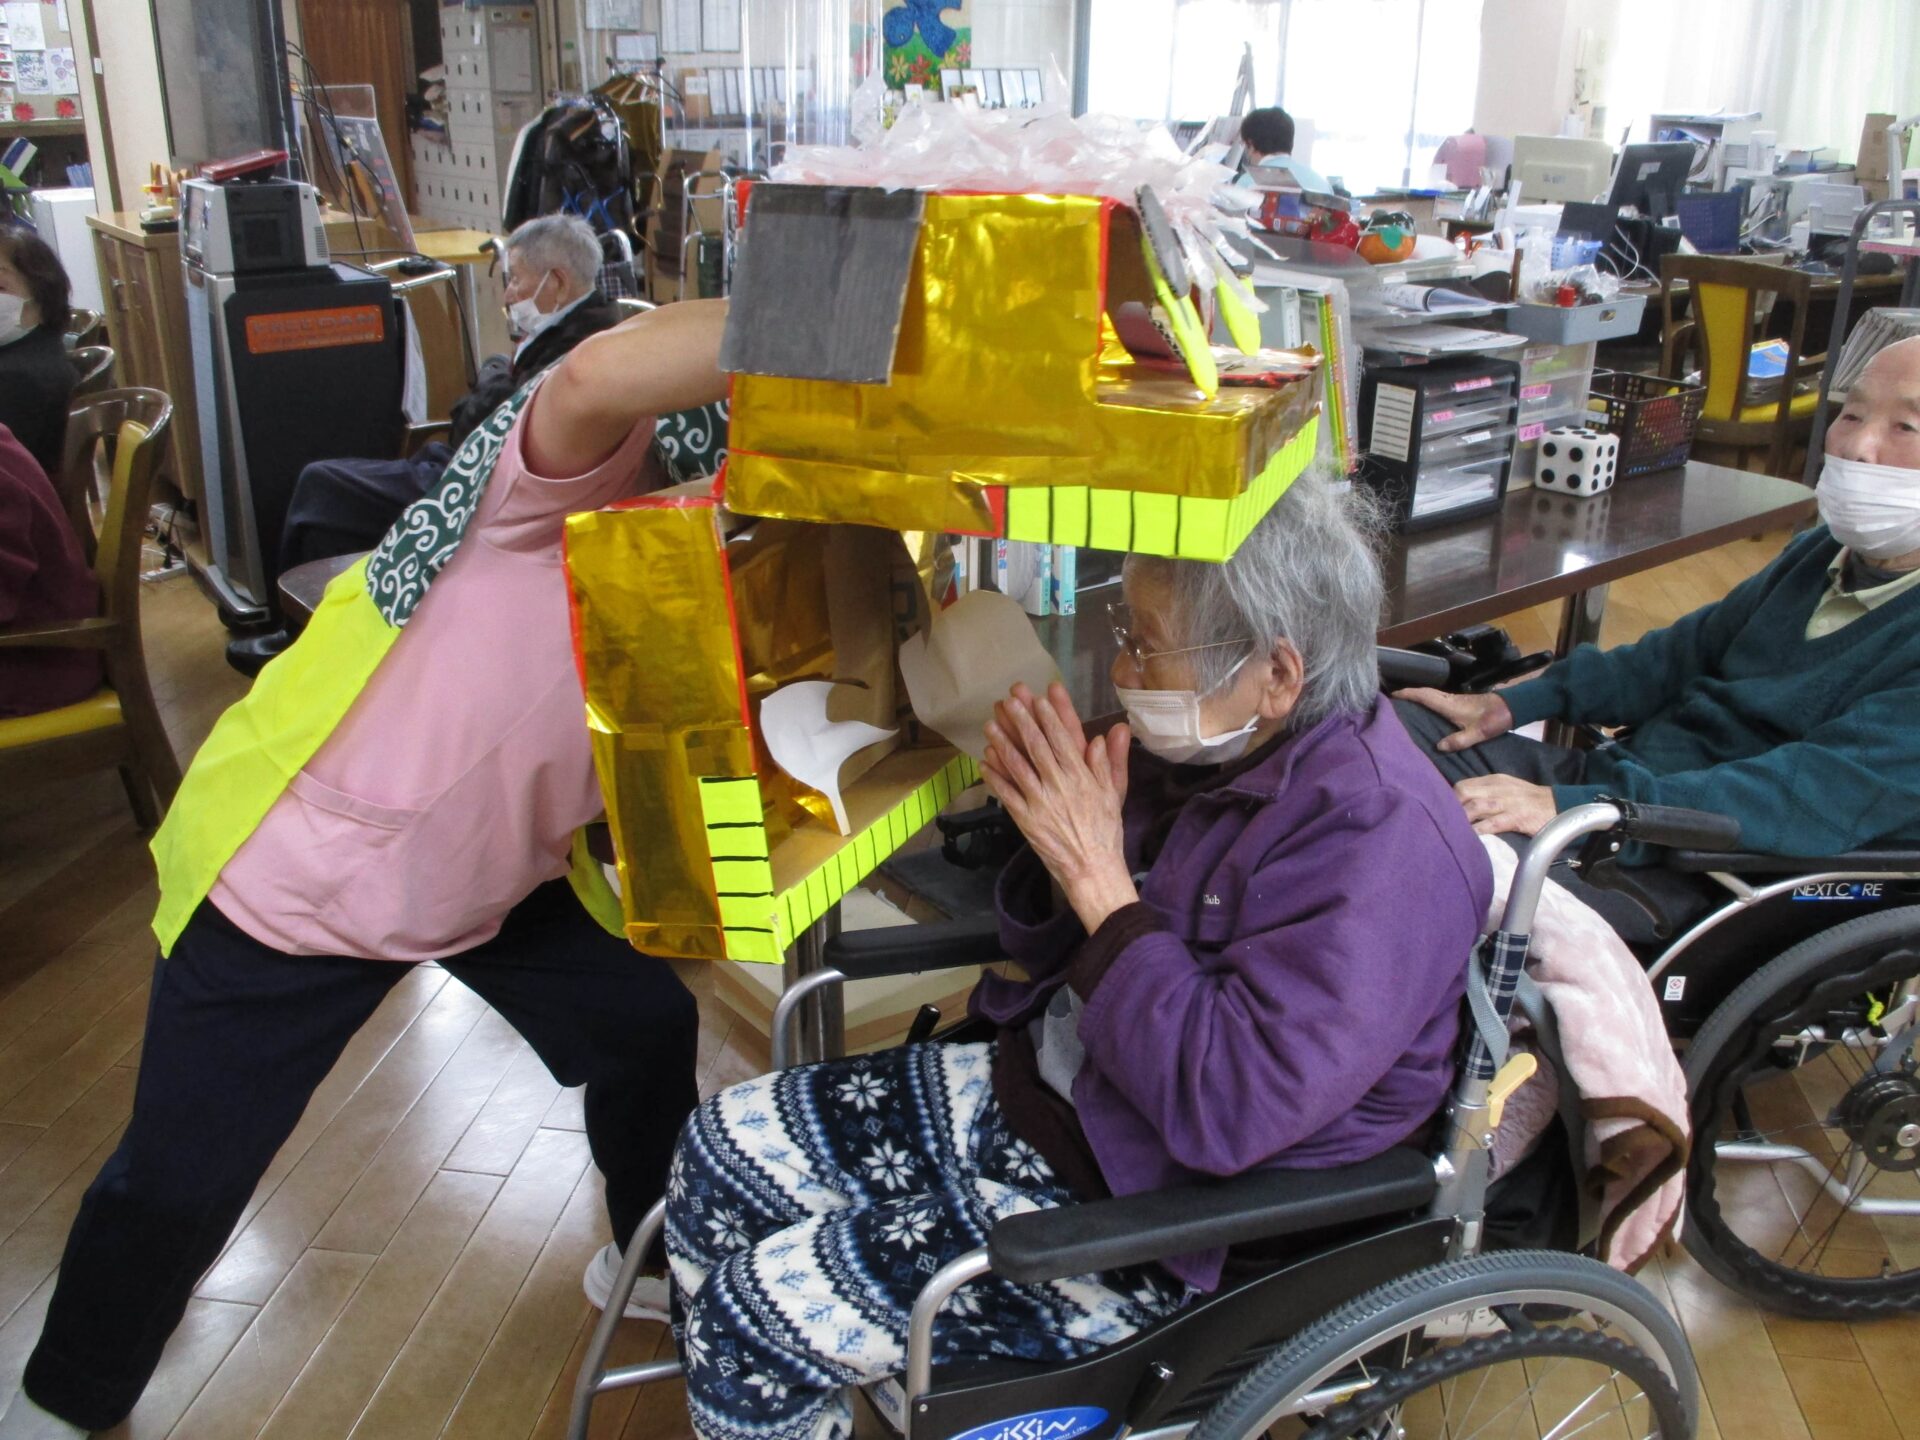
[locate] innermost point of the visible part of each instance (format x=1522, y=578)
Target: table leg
x=823, y=1017
x=1580, y=616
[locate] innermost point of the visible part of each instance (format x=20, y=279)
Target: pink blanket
x=1632, y=1090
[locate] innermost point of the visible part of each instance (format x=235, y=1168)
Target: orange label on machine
x=315, y=329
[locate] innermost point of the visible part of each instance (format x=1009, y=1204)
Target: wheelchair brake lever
x=921, y=1030
x=1146, y=1395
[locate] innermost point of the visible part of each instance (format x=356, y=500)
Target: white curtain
x=1813, y=69
x=1374, y=85
x=1180, y=59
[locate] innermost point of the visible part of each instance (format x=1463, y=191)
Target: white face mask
x=525, y=318
x=1872, y=509
x=1167, y=724
x=12, y=307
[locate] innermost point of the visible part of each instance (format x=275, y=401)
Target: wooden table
x=302, y=586
x=1541, y=546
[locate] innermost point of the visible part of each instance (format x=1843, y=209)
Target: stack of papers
x=1446, y=339
x=1433, y=299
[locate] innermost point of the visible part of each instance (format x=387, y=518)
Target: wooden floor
x=410, y=1266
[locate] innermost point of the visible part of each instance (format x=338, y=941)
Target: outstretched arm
x=665, y=360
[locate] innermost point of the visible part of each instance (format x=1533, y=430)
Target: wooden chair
x=82, y=326
x=92, y=368
x=119, y=724
x=1726, y=295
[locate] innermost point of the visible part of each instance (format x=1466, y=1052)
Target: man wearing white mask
x=339, y=507
x=1790, y=705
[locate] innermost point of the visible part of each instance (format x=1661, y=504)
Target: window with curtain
x=1374, y=86
x=1813, y=69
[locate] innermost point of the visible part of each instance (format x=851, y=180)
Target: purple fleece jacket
x=1288, y=990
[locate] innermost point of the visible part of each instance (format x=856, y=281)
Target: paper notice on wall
x=23, y=20
x=613, y=14
x=30, y=72
x=680, y=26
x=62, y=76
x=60, y=21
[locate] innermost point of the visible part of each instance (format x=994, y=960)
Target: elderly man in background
x=1789, y=705
x=340, y=507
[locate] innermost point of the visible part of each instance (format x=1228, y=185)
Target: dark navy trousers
x=239, y=1035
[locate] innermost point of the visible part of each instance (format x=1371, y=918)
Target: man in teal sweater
x=1792, y=705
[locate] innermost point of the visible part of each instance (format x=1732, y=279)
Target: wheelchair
x=1383, y=1312
x=1797, y=996
x=1793, y=985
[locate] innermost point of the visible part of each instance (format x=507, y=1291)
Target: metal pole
x=1580, y=617
x=822, y=1028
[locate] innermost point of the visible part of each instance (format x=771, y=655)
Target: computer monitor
x=1550, y=167
x=1652, y=178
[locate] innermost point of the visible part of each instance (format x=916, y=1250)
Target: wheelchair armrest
x=911, y=949
x=1404, y=669
x=1045, y=1245
x=1740, y=862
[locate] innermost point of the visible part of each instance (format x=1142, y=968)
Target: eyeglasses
x=1120, y=616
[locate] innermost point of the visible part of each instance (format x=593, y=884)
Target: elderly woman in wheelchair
x=1245, y=950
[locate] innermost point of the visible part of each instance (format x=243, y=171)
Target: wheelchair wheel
x=1804, y=1185
x=1529, y=1342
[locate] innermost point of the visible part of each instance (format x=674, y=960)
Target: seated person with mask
x=1790, y=705
x=1223, y=876
x=339, y=507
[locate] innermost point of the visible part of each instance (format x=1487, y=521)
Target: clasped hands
x=1066, y=793
x=1496, y=804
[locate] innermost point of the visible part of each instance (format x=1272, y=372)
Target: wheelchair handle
x=1675, y=828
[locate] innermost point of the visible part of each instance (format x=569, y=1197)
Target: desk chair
x=82, y=327
x=118, y=725
x=92, y=368
x=1719, y=338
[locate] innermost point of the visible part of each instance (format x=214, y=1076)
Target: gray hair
x=557, y=242
x=1309, y=574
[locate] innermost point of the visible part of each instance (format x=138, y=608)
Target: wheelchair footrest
x=1047, y=1245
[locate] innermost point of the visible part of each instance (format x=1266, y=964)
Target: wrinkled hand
x=1480, y=717
x=1505, y=805
x=1065, y=792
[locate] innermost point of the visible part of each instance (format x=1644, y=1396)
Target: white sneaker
x=649, y=1298
x=25, y=1420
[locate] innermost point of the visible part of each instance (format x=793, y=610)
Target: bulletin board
x=39, y=78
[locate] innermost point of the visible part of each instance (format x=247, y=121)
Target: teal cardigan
x=1813, y=745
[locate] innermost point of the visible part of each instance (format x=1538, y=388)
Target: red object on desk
x=238, y=167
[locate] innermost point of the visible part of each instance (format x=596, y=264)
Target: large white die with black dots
x=1577, y=461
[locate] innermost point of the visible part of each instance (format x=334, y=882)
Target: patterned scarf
x=429, y=530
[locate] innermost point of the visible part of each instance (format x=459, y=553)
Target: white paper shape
x=978, y=649
x=810, y=747
x=23, y=19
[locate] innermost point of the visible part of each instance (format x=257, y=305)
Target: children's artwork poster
x=23, y=21
x=30, y=72
x=922, y=37
x=6, y=99
x=63, y=77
